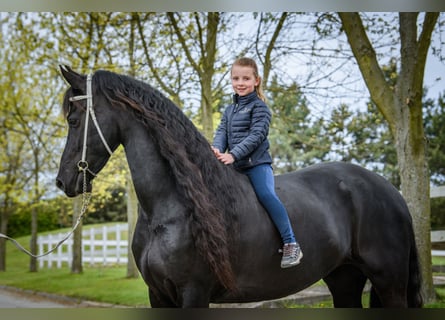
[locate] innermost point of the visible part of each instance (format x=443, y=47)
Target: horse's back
x=356, y=202
x=333, y=182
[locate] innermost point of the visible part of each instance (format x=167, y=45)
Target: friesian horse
x=202, y=237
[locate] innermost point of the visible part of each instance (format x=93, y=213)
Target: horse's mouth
x=83, y=187
x=78, y=187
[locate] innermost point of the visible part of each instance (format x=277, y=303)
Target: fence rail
x=108, y=245
x=103, y=245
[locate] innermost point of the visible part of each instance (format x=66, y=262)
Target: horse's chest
x=167, y=246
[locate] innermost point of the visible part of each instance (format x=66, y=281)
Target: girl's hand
x=226, y=158
x=216, y=151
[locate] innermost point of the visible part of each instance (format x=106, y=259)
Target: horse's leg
x=388, y=275
x=194, y=296
x=346, y=284
x=189, y=296
x=374, y=300
x=389, y=292
x=158, y=300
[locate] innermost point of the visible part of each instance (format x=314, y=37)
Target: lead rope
x=86, y=196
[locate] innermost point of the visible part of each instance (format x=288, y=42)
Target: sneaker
x=292, y=255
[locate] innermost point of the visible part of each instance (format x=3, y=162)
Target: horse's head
x=90, y=139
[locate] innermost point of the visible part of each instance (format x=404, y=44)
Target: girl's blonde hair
x=248, y=62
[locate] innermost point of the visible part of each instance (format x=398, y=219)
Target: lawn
x=103, y=284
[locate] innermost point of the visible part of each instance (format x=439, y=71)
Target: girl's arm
x=220, y=138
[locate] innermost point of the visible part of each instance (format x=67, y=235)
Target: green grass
x=102, y=284
x=438, y=261
x=108, y=284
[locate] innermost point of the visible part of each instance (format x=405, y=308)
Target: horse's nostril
x=60, y=184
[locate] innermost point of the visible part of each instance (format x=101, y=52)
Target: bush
x=438, y=213
x=19, y=223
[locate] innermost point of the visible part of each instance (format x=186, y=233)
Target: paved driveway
x=13, y=298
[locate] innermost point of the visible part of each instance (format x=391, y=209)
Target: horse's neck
x=149, y=171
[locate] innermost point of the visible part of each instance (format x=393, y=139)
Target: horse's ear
x=76, y=80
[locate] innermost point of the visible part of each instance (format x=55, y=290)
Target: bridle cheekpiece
x=83, y=164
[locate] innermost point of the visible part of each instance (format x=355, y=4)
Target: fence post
x=92, y=247
x=40, y=244
x=50, y=256
x=104, y=245
x=118, y=243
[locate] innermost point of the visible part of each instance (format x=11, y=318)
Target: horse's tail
x=415, y=279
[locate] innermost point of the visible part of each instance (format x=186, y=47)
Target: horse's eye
x=73, y=122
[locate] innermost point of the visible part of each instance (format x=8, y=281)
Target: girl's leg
x=263, y=182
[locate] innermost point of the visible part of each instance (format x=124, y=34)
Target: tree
x=30, y=107
x=296, y=139
x=205, y=27
x=434, y=118
x=401, y=105
x=337, y=129
x=363, y=137
x=11, y=158
x=371, y=144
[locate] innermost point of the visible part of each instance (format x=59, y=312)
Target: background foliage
x=321, y=109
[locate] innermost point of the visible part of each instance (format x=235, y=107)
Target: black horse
x=202, y=236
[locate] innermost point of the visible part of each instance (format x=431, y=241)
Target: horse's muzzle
x=61, y=185
x=76, y=189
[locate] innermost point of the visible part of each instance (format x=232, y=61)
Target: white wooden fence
x=108, y=245
x=438, y=237
x=104, y=245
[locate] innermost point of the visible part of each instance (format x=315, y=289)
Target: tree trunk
x=414, y=176
x=402, y=108
x=132, y=214
x=206, y=73
x=4, y=230
x=207, y=109
x=33, y=241
x=76, y=265
x=410, y=138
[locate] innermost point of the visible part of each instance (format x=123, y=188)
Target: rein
x=85, y=201
x=82, y=165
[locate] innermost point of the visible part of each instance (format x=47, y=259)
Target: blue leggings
x=263, y=182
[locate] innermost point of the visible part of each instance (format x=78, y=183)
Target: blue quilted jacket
x=243, y=131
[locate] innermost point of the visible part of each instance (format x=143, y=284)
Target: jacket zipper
x=230, y=122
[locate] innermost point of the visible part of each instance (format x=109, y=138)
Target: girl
x=243, y=133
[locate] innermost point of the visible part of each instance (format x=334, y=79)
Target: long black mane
x=206, y=185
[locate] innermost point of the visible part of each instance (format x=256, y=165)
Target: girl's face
x=243, y=80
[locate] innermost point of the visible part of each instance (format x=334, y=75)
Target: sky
x=434, y=79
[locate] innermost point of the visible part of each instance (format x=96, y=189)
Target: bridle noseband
x=83, y=164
